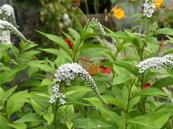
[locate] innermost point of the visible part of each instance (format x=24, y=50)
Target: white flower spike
x=7, y=10
x=66, y=73
x=95, y=23
x=5, y=37
x=5, y=26
x=170, y=56
x=149, y=7
x=155, y=62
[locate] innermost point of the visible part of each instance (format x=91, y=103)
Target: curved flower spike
x=96, y=25
x=154, y=62
x=7, y=12
x=6, y=26
x=66, y=73
x=170, y=56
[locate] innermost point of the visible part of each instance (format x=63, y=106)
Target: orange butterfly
x=89, y=66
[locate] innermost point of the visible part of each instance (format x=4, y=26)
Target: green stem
x=143, y=99
x=142, y=53
x=148, y=27
x=55, y=115
x=141, y=58
x=113, y=72
x=115, y=58
x=76, y=51
x=116, y=54
x=128, y=104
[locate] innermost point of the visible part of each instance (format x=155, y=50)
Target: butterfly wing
x=89, y=66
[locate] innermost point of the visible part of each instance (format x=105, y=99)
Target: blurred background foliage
x=55, y=16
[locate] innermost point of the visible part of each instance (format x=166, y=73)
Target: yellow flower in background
x=158, y=3
x=118, y=12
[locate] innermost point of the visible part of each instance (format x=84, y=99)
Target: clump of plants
x=58, y=15
x=92, y=78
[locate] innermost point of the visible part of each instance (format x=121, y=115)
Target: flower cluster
x=105, y=70
x=94, y=23
x=149, y=7
x=158, y=3
x=66, y=19
x=66, y=73
x=6, y=26
x=7, y=10
x=5, y=37
x=69, y=43
x=156, y=62
x=147, y=85
x=169, y=57
x=57, y=94
x=118, y=13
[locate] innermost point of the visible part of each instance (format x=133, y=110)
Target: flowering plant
x=6, y=27
x=129, y=74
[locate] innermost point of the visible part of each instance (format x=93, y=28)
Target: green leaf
x=30, y=117
x=168, y=107
x=154, y=120
x=75, y=93
x=59, y=41
x=18, y=125
x=128, y=66
x=166, y=31
x=122, y=75
x=69, y=124
x=133, y=102
x=163, y=82
x=9, y=75
x=27, y=46
x=51, y=51
x=90, y=123
x=29, y=54
x=87, y=34
x=46, y=82
x=16, y=101
x=32, y=71
x=74, y=33
x=43, y=65
x=113, y=116
x=49, y=116
x=93, y=50
x=40, y=127
x=2, y=94
x=152, y=44
x=151, y=92
x=9, y=92
x=36, y=106
x=3, y=123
